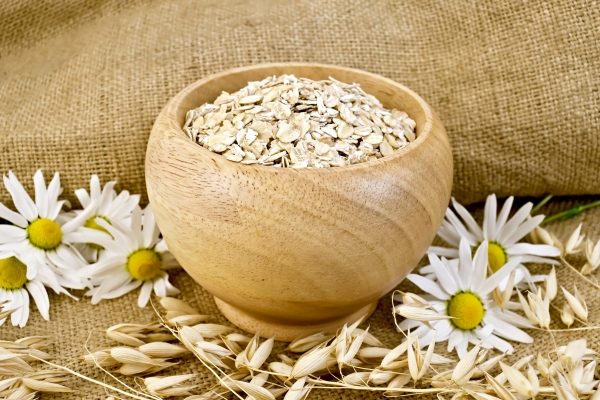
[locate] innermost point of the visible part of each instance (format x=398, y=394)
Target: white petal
x=49, y=279
x=150, y=229
x=485, y=332
x=12, y=217
x=108, y=194
x=35, y=261
x=21, y=199
x=461, y=347
x=95, y=190
x=103, y=265
x=123, y=205
x=455, y=338
x=538, y=260
x=500, y=344
x=480, y=263
x=171, y=290
x=123, y=241
x=407, y=324
x=444, y=274
x=15, y=304
x=79, y=220
x=507, y=330
x=444, y=329
x=54, y=190
x=72, y=259
x=120, y=291
x=7, y=254
x=426, y=270
x=523, y=230
x=83, y=197
x=55, y=211
x=118, y=207
x=519, y=276
x=465, y=265
x=8, y=233
x=521, y=215
x=494, y=280
x=14, y=244
x=108, y=285
x=41, y=194
x=88, y=235
x=503, y=216
x=448, y=233
x=25, y=313
x=159, y=287
x=533, y=249
x=40, y=296
x=515, y=319
x=489, y=218
x=460, y=228
x=443, y=251
x=169, y=262
x=145, y=294
x=136, y=227
x=468, y=219
x=428, y=286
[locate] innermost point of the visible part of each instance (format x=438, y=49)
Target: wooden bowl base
x=283, y=332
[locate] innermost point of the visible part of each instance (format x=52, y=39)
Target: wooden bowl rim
x=175, y=103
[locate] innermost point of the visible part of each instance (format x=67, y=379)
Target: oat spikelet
x=162, y=350
x=574, y=242
x=518, y=381
x=173, y=304
x=465, y=367
x=577, y=303
x=312, y=361
x=19, y=377
x=168, y=386
x=304, y=344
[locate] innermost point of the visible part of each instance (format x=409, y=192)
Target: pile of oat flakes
x=297, y=122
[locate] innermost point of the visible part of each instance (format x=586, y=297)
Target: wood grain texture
x=297, y=248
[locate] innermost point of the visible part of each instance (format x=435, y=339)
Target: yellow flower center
x=144, y=264
x=467, y=310
x=45, y=234
x=13, y=273
x=91, y=223
x=496, y=256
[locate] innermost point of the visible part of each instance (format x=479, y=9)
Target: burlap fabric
x=81, y=82
x=73, y=324
x=515, y=82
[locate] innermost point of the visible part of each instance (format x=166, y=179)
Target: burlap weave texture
x=515, y=82
x=76, y=324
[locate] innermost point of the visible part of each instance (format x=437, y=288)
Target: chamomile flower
x=135, y=257
x=15, y=283
x=106, y=204
x=38, y=234
x=463, y=294
x=501, y=233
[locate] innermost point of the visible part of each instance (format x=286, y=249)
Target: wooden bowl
x=288, y=252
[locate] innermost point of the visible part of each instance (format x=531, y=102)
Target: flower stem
x=573, y=212
x=541, y=204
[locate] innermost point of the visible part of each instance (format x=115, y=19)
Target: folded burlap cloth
x=516, y=84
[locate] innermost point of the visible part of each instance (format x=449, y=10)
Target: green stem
x=541, y=204
x=573, y=212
